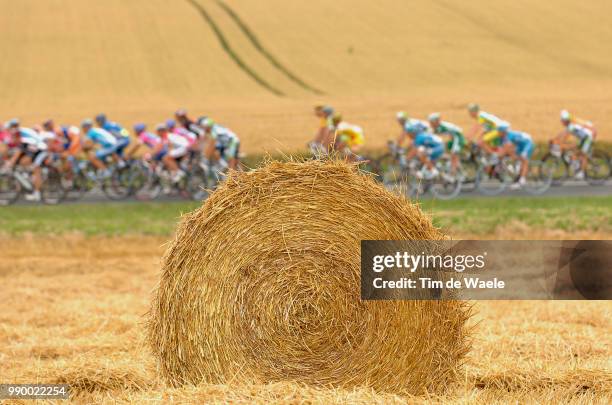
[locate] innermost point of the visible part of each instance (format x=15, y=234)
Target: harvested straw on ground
x=261, y=284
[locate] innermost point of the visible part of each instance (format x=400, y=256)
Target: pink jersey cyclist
x=181, y=131
x=151, y=141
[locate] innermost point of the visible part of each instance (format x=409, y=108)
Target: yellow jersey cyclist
x=456, y=142
x=584, y=134
x=407, y=125
x=348, y=138
x=485, y=131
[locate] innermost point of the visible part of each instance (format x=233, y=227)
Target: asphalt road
x=569, y=189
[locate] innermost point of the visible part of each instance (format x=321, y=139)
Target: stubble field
x=73, y=306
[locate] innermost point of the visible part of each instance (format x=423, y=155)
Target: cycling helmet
x=138, y=128
x=503, y=127
x=202, y=119
x=565, y=115
x=48, y=124
x=181, y=112
x=207, y=123
x=12, y=123
x=162, y=127
x=170, y=123
x=434, y=117
x=87, y=123
x=473, y=107
x=101, y=118
x=327, y=110
x=401, y=116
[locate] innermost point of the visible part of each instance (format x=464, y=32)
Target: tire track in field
x=264, y=52
x=230, y=51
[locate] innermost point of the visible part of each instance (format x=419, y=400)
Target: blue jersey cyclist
x=518, y=145
x=106, y=143
x=409, y=124
x=427, y=147
x=121, y=134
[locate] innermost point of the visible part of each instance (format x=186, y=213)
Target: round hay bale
x=262, y=284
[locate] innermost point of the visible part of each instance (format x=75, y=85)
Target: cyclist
x=52, y=136
x=580, y=121
x=427, y=147
x=223, y=144
x=409, y=124
x=457, y=141
x=31, y=150
x=151, y=141
x=121, y=134
x=518, y=145
x=191, y=137
x=584, y=135
x=107, y=146
x=183, y=119
x=485, y=131
x=349, y=138
x=323, y=139
x=177, y=147
x=6, y=142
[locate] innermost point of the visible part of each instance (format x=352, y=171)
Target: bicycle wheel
x=598, y=168
x=468, y=170
x=10, y=189
x=76, y=187
x=446, y=185
x=197, y=184
x=557, y=168
x=137, y=176
x=492, y=179
x=52, y=191
x=117, y=186
x=539, y=177
x=150, y=189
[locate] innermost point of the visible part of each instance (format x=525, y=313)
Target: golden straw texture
x=261, y=284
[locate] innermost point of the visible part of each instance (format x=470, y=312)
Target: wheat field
x=259, y=68
x=78, y=319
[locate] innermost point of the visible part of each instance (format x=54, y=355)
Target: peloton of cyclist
x=121, y=134
x=107, y=146
x=407, y=125
x=584, y=133
x=426, y=146
x=348, y=138
x=222, y=144
x=519, y=146
x=31, y=149
x=485, y=132
x=456, y=142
